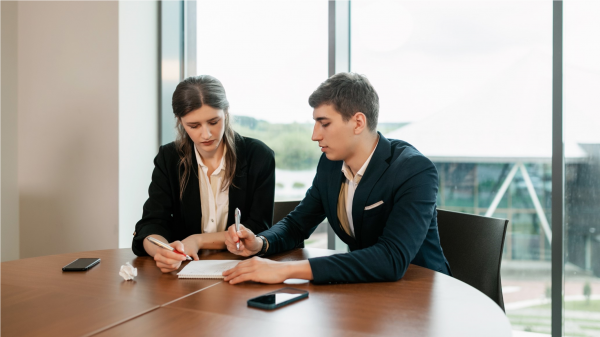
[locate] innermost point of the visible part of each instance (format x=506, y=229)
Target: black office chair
x=283, y=208
x=473, y=246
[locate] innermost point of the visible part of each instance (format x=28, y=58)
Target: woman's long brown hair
x=191, y=94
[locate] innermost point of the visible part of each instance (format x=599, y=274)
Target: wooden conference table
x=38, y=299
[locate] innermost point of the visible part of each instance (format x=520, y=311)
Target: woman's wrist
x=152, y=248
x=210, y=240
x=198, y=238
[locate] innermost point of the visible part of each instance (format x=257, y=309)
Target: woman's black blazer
x=252, y=191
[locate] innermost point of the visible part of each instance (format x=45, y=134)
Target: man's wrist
x=264, y=245
x=299, y=269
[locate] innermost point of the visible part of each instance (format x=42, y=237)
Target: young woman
x=201, y=178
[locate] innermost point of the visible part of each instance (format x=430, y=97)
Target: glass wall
x=469, y=84
x=582, y=179
x=270, y=56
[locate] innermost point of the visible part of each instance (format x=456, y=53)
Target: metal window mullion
x=338, y=61
x=171, y=63
x=331, y=71
x=181, y=38
x=159, y=77
x=189, y=32
x=558, y=170
x=331, y=38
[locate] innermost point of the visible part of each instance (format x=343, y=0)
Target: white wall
x=79, y=123
x=68, y=126
x=10, y=193
x=138, y=109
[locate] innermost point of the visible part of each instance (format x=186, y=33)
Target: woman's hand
x=192, y=246
x=169, y=261
x=249, y=243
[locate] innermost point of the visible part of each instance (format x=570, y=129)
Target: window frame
x=178, y=60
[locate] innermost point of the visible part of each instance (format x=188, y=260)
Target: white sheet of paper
x=211, y=269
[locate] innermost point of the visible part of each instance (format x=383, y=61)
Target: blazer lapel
x=236, y=196
x=238, y=192
x=192, y=210
x=376, y=168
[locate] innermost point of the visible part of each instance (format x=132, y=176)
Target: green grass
x=298, y=185
x=588, y=327
x=576, y=306
x=515, y=316
x=517, y=319
x=526, y=322
x=539, y=323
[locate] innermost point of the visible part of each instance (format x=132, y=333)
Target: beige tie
x=341, y=208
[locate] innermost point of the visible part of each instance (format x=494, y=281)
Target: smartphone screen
x=81, y=264
x=277, y=298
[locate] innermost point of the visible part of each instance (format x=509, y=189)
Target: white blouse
x=214, y=202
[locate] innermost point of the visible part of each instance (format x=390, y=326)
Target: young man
x=379, y=196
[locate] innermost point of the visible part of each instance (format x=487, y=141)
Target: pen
x=238, y=215
x=166, y=246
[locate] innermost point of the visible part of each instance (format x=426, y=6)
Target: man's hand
x=258, y=270
x=249, y=243
x=266, y=271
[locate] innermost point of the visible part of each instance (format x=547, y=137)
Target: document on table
x=207, y=269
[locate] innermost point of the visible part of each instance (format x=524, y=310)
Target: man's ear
x=361, y=122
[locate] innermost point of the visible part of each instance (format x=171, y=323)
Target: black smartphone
x=82, y=264
x=277, y=298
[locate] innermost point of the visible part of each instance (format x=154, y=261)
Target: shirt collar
x=348, y=173
x=201, y=163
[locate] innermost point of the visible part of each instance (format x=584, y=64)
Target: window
x=469, y=84
x=270, y=56
x=582, y=178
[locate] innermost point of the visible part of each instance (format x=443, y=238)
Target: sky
x=421, y=56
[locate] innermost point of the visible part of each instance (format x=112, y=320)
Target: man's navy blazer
x=401, y=230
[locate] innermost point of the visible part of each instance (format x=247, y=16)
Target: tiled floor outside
x=525, y=286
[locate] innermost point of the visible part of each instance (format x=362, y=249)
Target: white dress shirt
x=353, y=181
x=214, y=202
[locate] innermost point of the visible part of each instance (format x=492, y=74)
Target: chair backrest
x=473, y=247
x=283, y=208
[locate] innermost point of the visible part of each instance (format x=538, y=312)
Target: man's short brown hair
x=349, y=93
